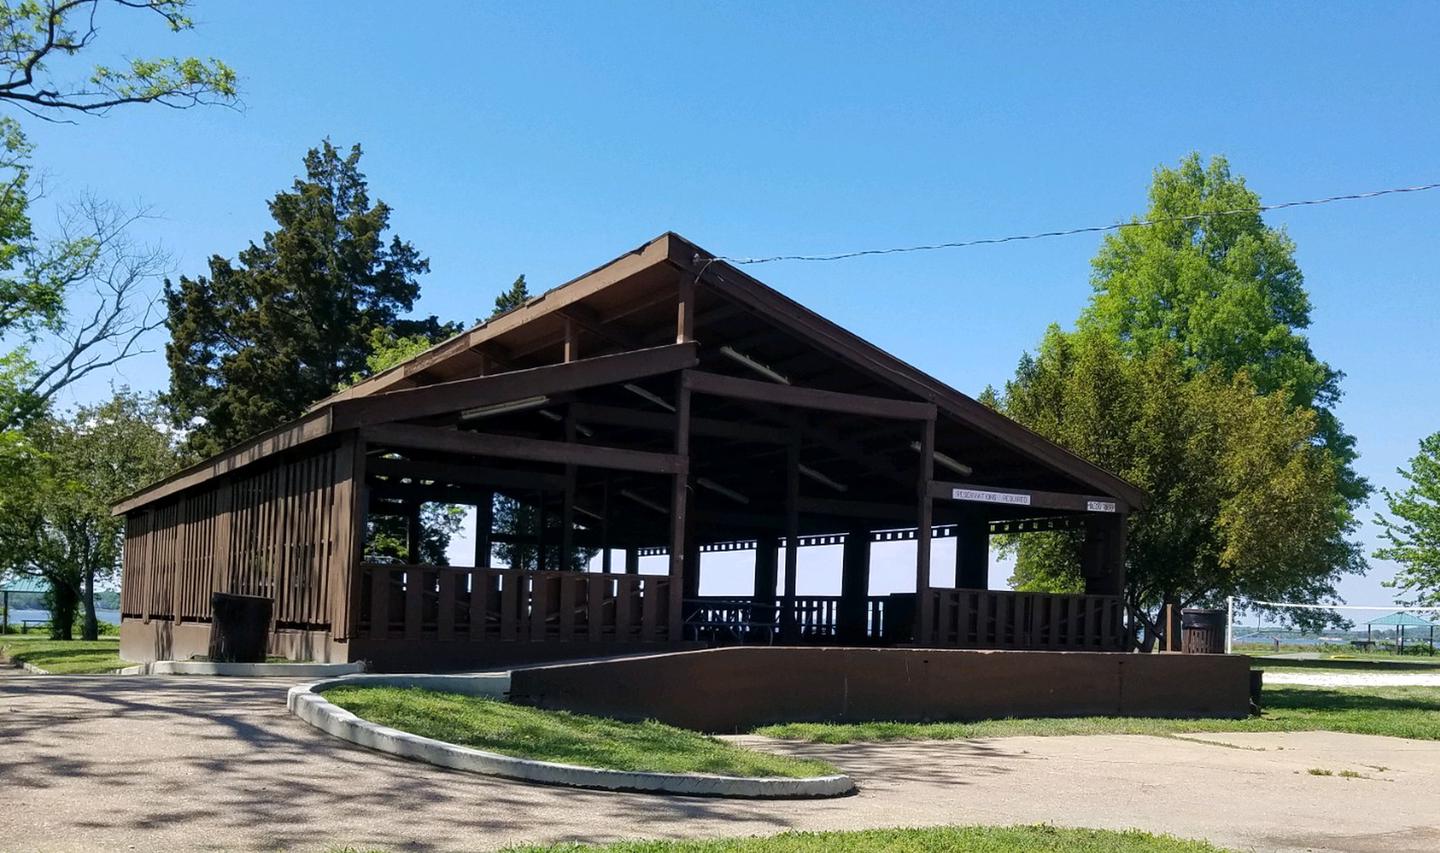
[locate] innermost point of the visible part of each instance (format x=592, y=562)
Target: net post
x=1229, y=623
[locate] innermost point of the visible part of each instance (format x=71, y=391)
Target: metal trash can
x=1202, y=632
x=239, y=628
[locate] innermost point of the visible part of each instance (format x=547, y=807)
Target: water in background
x=17, y=616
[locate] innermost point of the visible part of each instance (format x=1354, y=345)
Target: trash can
x=1202, y=632
x=239, y=628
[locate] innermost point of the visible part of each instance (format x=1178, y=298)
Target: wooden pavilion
x=664, y=404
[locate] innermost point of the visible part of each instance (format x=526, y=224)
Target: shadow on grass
x=1379, y=699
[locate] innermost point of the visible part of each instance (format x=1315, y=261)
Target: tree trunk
x=62, y=600
x=90, y=630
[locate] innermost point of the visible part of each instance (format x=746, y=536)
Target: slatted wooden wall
x=281, y=532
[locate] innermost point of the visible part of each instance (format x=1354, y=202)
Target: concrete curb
x=305, y=703
x=243, y=670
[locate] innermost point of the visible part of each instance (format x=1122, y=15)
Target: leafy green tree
x=1243, y=500
x=1413, y=535
x=37, y=35
x=60, y=528
x=263, y=337
x=1222, y=286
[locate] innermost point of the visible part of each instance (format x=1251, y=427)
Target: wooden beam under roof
x=515, y=447
x=806, y=398
x=445, y=397
x=973, y=493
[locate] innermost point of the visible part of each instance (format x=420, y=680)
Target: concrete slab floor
x=192, y=763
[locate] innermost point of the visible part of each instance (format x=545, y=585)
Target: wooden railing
x=746, y=620
x=481, y=605
x=1001, y=619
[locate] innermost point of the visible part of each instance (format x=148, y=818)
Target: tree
x=1413, y=535
x=509, y=300
x=61, y=528
x=36, y=33
x=1243, y=501
x=1225, y=288
x=260, y=339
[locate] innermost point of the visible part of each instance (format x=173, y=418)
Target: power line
x=1089, y=229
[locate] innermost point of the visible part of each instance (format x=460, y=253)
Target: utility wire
x=1090, y=229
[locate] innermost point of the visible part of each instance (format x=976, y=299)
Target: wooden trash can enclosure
x=240, y=628
x=1202, y=632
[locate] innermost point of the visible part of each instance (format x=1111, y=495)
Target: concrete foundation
x=734, y=689
x=161, y=639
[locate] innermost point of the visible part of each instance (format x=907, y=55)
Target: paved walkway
x=191, y=763
x=1354, y=679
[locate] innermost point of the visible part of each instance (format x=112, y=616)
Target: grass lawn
x=1410, y=712
x=945, y=839
x=63, y=656
x=525, y=732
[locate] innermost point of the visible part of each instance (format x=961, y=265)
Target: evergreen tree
x=262, y=337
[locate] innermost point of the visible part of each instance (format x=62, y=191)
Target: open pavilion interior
x=663, y=405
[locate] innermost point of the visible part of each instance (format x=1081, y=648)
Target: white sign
x=1100, y=506
x=989, y=497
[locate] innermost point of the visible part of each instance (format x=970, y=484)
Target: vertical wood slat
x=539, y=606
x=413, y=602
x=445, y=618
x=479, y=600
x=625, y=587
x=567, y=604
x=379, y=602
x=597, y=588
x=649, y=608
x=510, y=604
x=944, y=598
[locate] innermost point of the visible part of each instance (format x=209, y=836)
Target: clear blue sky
x=546, y=138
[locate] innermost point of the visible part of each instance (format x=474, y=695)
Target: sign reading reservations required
x=989, y=497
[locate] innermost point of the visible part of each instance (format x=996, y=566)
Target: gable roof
x=627, y=305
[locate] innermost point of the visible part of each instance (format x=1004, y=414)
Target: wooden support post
x=972, y=551
x=854, y=586
x=567, y=505
x=632, y=561
x=923, y=534
x=542, y=521
x=792, y=538
x=767, y=565
x=572, y=341
x=484, y=529
x=685, y=315
x=679, y=489
x=1102, y=555
x=606, y=557
x=414, y=530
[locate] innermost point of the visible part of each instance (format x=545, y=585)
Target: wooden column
x=567, y=506
x=923, y=533
x=484, y=529
x=542, y=521
x=632, y=561
x=679, y=489
x=413, y=532
x=1102, y=555
x=854, y=585
x=606, y=558
x=685, y=314
x=348, y=521
x=972, y=551
x=767, y=567
x=792, y=537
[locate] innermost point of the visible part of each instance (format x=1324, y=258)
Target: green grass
x=525, y=732
x=63, y=656
x=1409, y=712
x=1372, y=663
x=945, y=839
